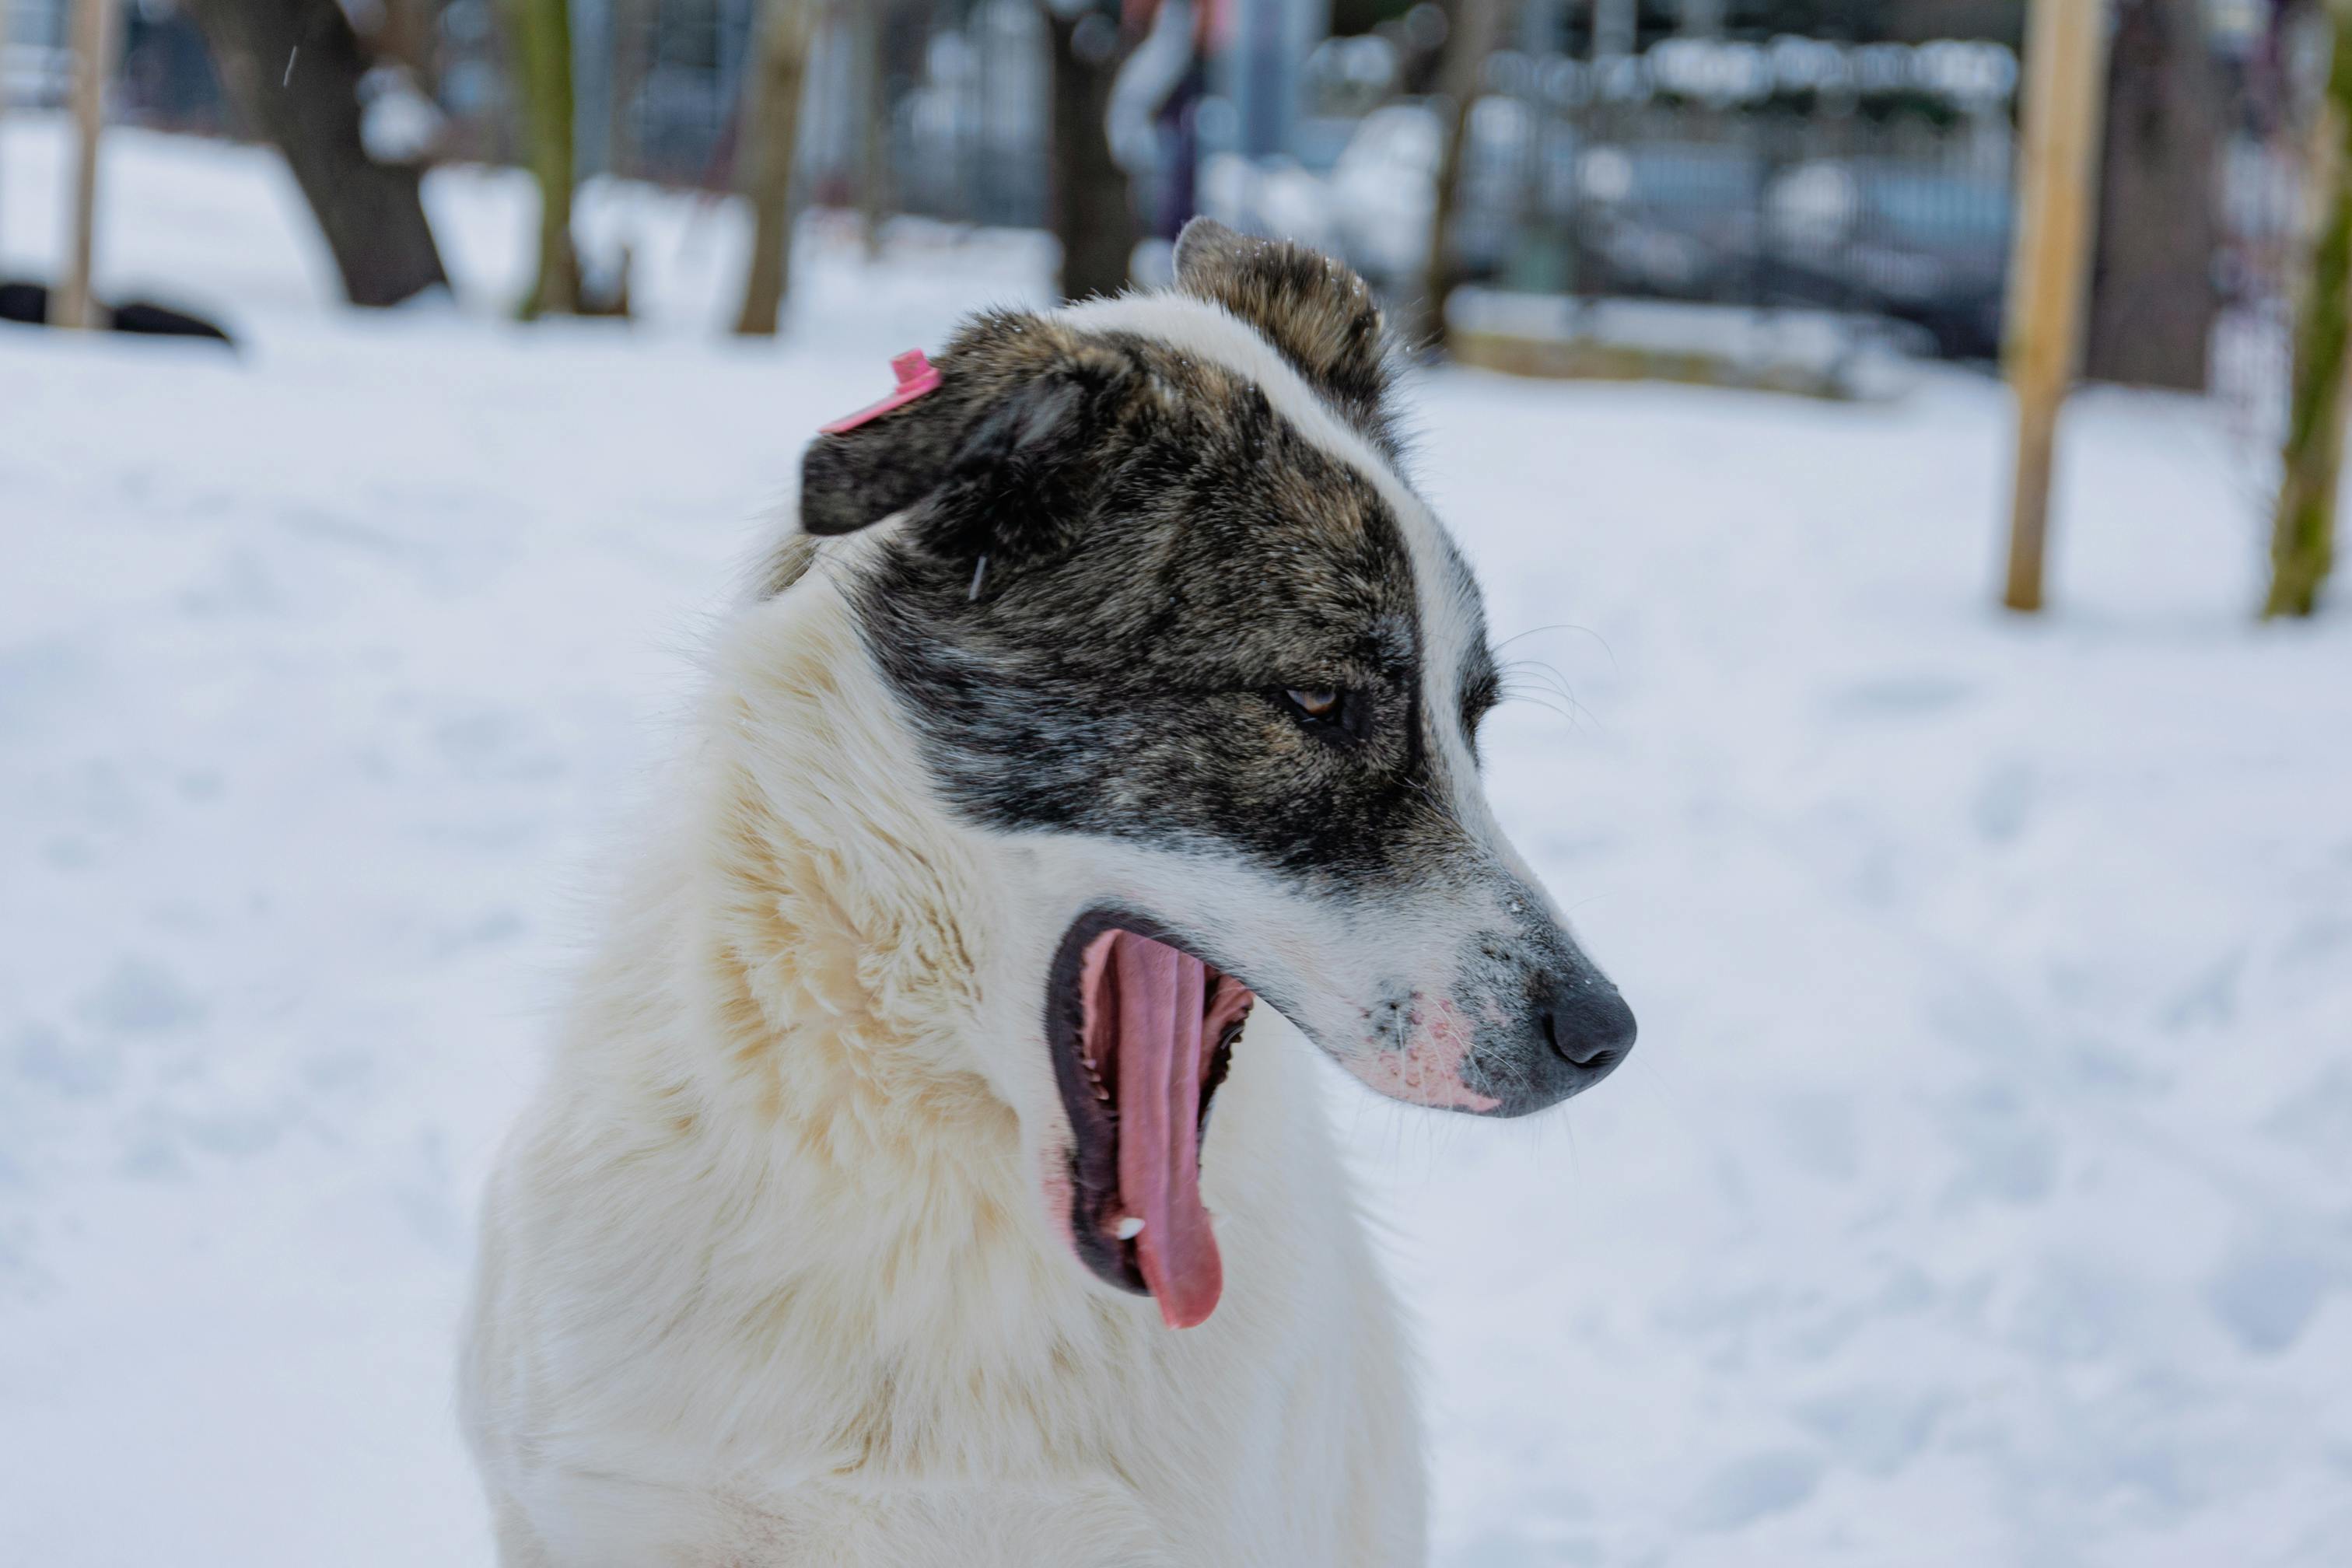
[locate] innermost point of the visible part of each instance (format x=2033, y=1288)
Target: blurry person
x=1155, y=105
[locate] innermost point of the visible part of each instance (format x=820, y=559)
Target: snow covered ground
x=1981, y=1191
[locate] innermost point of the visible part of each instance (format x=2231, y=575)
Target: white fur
x=775, y=1271
x=771, y=1271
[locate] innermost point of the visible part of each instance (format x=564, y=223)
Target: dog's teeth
x=1129, y=1228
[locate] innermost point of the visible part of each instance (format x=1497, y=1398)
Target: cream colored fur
x=770, y=1273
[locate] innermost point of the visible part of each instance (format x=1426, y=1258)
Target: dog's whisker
x=1562, y=627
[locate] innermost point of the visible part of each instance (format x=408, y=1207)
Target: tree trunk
x=770, y=144
x=292, y=68
x=1477, y=27
x=1091, y=214
x=2302, y=538
x=2152, y=296
x=539, y=35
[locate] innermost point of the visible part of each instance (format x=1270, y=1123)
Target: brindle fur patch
x=1165, y=555
x=1317, y=313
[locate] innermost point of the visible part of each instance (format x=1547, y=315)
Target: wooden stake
x=2065, y=77
x=93, y=48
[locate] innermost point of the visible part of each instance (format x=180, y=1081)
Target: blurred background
x=1899, y=441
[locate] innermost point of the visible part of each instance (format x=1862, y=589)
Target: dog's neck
x=841, y=935
x=842, y=927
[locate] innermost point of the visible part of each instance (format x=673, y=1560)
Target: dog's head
x=1167, y=621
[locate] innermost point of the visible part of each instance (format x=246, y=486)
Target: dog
x=1099, y=750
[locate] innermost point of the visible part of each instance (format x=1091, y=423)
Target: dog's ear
x=1315, y=312
x=853, y=479
x=1002, y=457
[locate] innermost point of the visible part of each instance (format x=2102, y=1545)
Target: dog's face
x=1160, y=609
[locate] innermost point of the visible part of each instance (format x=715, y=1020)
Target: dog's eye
x=1319, y=705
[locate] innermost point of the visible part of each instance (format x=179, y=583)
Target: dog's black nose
x=1568, y=1033
x=1588, y=1026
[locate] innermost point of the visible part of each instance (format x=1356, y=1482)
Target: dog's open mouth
x=1141, y=1033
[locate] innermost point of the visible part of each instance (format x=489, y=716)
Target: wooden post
x=2065, y=49
x=93, y=48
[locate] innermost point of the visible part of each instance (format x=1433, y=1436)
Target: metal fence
x=34, y=61
x=2275, y=80
x=962, y=83
x=1866, y=179
x=1870, y=180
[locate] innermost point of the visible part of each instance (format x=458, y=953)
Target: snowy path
x=1981, y=1192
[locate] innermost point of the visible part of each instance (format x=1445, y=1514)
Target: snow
x=1982, y=1190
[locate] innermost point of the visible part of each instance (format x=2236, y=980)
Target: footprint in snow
x=2004, y=803
x=1755, y=1487
x=2005, y=1151
x=44, y=1059
x=141, y=996
x=1876, y=1430
x=2264, y=1293
x=2317, y=1118
x=1901, y=696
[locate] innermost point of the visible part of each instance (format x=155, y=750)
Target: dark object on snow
x=29, y=303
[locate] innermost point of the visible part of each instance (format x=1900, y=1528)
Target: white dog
x=872, y=1212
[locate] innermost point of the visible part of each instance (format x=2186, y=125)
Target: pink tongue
x=1161, y=1053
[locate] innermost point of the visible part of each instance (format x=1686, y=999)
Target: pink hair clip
x=917, y=375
